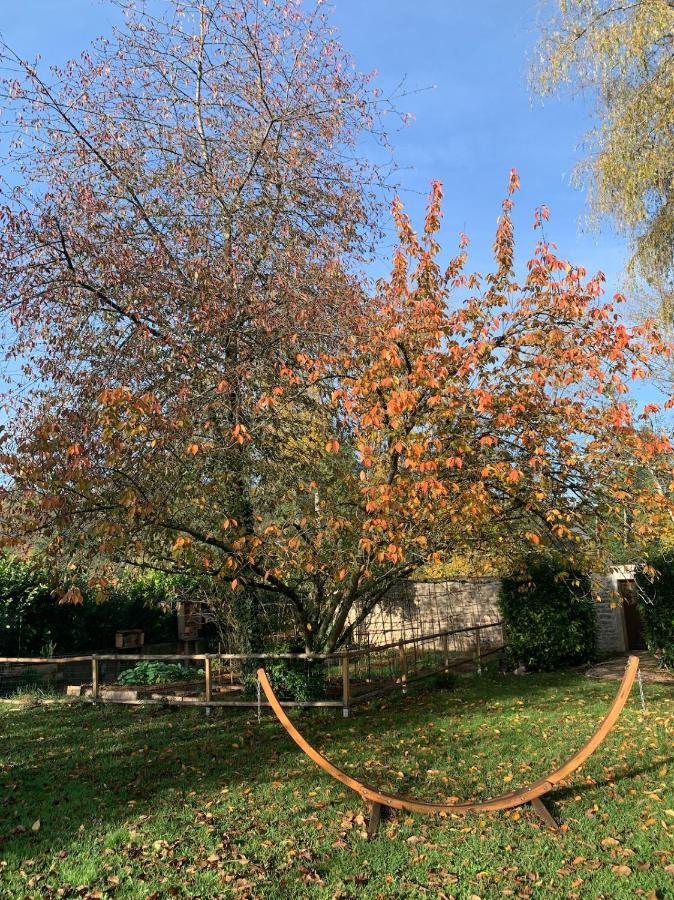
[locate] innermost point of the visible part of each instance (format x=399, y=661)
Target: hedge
x=655, y=596
x=548, y=614
x=32, y=622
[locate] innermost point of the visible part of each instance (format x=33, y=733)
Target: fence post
x=478, y=651
x=207, y=677
x=346, y=687
x=445, y=650
x=403, y=666
x=94, y=678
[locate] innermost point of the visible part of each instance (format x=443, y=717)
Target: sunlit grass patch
x=135, y=802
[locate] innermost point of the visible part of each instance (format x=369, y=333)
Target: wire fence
x=212, y=680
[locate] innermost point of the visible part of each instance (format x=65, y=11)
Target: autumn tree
x=186, y=205
x=622, y=55
x=426, y=429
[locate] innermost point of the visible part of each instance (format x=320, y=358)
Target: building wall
x=415, y=608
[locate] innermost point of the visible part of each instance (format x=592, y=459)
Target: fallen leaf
x=622, y=870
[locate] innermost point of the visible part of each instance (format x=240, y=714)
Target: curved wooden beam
x=527, y=794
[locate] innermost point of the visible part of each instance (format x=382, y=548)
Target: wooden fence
x=215, y=680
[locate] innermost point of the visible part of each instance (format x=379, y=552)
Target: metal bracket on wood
x=374, y=819
x=544, y=814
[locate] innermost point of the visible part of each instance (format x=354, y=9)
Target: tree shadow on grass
x=76, y=768
x=73, y=766
x=563, y=792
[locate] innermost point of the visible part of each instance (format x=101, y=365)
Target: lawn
x=129, y=802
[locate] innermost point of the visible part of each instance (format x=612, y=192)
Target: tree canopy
x=621, y=53
x=209, y=389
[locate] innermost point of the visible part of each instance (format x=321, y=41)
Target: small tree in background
x=549, y=615
x=621, y=55
x=655, y=594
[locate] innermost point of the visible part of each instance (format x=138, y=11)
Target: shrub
x=157, y=672
x=32, y=622
x=25, y=596
x=292, y=679
x=548, y=615
x=655, y=596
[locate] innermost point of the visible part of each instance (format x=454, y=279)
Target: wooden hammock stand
x=378, y=801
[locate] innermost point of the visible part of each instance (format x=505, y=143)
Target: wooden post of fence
x=94, y=678
x=403, y=666
x=478, y=652
x=207, y=678
x=346, y=687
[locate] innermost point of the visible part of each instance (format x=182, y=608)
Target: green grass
x=136, y=802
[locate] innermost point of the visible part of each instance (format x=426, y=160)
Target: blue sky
x=465, y=66
x=474, y=117
x=478, y=119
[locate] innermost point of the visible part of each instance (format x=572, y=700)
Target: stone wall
x=611, y=632
x=415, y=608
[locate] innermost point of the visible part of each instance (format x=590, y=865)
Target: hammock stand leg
x=544, y=813
x=375, y=811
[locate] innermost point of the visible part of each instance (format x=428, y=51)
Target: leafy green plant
x=548, y=615
x=157, y=672
x=655, y=596
x=48, y=649
x=292, y=679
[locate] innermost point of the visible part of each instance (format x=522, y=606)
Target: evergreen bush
x=655, y=596
x=33, y=623
x=548, y=615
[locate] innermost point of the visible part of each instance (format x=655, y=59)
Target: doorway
x=634, y=626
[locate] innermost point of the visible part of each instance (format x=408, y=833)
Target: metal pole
x=403, y=666
x=641, y=694
x=207, y=677
x=478, y=652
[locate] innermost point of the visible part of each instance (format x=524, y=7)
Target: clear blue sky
x=477, y=122
x=479, y=118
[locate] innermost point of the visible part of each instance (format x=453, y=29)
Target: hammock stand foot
x=544, y=814
x=374, y=819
